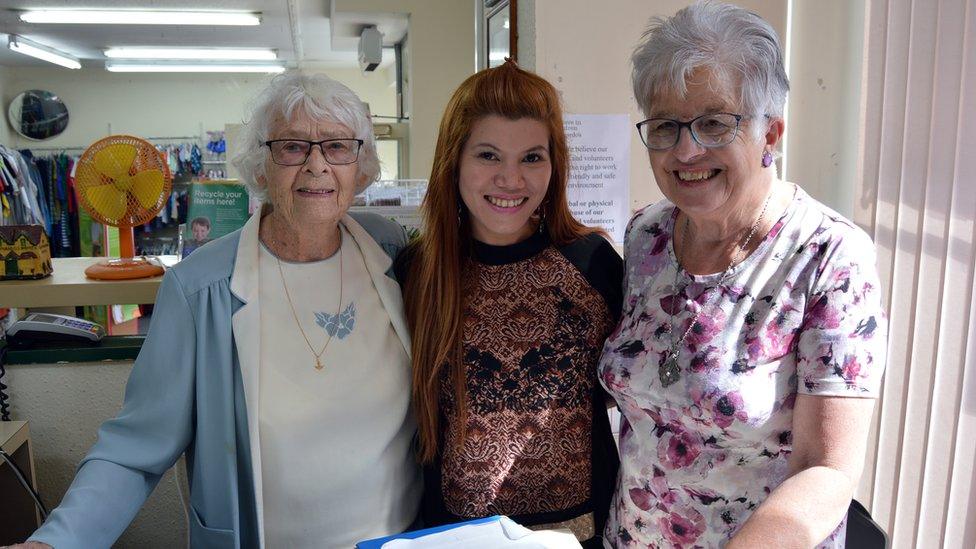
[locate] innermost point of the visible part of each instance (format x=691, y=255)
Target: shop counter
x=68, y=286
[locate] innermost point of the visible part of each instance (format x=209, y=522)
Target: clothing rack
x=179, y=138
x=54, y=148
x=75, y=148
x=40, y=190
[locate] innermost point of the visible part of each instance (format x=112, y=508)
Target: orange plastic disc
x=125, y=269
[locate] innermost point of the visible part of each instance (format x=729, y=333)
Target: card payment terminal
x=51, y=327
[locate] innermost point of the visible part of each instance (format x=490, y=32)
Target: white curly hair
x=321, y=99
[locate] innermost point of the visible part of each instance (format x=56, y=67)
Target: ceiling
x=300, y=30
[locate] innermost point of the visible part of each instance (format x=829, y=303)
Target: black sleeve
x=401, y=265
x=602, y=267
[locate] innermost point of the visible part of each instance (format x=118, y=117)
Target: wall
x=826, y=57
x=441, y=55
x=4, y=127
x=159, y=105
x=525, y=20
x=65, y=404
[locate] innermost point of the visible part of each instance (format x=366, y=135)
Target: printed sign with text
x=599, y=174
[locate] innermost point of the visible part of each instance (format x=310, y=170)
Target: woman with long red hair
x=509, y=299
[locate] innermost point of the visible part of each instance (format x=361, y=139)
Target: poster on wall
x=214, y=210
x=599, y=174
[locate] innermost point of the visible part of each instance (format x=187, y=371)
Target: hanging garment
x=196, y=160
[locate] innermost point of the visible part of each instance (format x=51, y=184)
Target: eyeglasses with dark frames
x=295, y=152
x=708, y=130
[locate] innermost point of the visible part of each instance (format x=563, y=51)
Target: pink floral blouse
x=801, y=314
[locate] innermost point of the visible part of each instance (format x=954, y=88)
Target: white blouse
x=336, y=452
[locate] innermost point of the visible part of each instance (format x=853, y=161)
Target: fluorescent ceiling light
x=238, y=54
x=22, y=45
x=115, y=66
x=141, y=17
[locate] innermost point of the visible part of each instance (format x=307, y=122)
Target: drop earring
x=767, y=159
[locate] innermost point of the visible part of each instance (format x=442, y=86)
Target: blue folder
x=378, y=542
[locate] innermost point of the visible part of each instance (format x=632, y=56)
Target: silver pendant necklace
x=668, y=371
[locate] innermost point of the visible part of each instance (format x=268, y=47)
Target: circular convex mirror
x=38, y=114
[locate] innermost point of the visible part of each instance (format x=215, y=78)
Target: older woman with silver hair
x=752, y=340
x=277, y=358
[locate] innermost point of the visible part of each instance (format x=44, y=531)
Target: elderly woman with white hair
x=752, y=340
x=277, y=358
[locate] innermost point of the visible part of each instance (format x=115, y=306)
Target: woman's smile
x=692, y=183
x=691, y=177
x=315, y=193
x=506, y=205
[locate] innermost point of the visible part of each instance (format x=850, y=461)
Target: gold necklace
x=318, y=355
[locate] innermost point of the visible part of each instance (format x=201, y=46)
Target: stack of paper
x=490, y=533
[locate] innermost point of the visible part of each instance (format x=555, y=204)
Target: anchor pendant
x=318, y=364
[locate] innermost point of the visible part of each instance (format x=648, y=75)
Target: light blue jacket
x=188, y=392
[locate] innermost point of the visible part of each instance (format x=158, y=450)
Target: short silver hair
x=320, y=98
x=732, y=42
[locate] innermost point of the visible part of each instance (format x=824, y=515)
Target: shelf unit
x=20, y=517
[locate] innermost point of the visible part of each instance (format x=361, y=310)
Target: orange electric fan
x=123, y=181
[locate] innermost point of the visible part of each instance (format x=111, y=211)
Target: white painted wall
x=823, y=126
x=161, y=105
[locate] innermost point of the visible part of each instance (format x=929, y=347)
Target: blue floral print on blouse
x=338, y=325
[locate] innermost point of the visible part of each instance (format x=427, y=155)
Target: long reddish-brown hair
x=433, y=295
